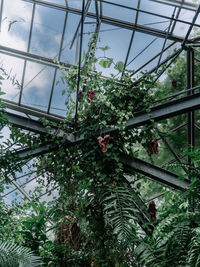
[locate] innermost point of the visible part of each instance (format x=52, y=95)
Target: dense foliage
x=99, y=218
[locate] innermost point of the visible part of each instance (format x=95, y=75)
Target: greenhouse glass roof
x=142, y=34
x=37, y=36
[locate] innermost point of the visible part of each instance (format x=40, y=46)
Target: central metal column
x=190, y=84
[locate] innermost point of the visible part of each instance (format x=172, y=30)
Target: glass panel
x=68, y=55
x=181, y=29
x=144, y=47
x=118, y=12
x=129, y=3
x=114, y=38
x=11, y=69
x=37, y=85
x=58, y=100
x=75, y=3
x=60, y=2
x=186, y=15
x=15, y=24
x=47, y=31
x=92, y=8
x=156, y=7
x=153, y=22
x=14, y=196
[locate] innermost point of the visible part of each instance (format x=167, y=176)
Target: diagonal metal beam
x=160, y=112
x=191, y=27
x=30, y=111
x=145, y=168
x=154, y=172
x=36, y=126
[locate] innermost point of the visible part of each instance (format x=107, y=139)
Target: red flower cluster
x=91, y=95
x=153, y=146
x=152, y=210
x=103, y=142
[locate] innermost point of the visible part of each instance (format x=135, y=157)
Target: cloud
x=14, y=34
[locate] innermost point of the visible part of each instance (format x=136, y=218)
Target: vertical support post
x=1, y=12
x=191, y=125
x=190, y=84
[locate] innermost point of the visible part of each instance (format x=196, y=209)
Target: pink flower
x=103, y=142
x=91, y=95
x=153, y=146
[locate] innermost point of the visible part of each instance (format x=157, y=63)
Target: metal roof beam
x=160, y=112
x=145, y=168
x=154, y=172
x=36, y=126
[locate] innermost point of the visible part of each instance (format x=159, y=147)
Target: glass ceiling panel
x=14, y=196
x=68, y=53
x=15, y=24
x=37, y=85
x=58, y=100
x=92, y=7
x=153, y=21
x=118, y=12
x=157, y=8
x=75, y=4
x=181, y=29
x=60, y=2
x=47, y=31
x=143, y=48
x=11, y=68
x=113, y=37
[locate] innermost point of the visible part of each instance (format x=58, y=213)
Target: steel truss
x=187, y=104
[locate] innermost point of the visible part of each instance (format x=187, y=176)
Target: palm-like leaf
x=13, y=255
x=193, y=257
x=120, y=211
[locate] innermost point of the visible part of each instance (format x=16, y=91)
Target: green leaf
x=104, y=48
x=119, y=66
x=106, y=63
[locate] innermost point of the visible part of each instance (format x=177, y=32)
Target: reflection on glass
x=11, y=69
x=119, y=12
x=113, y=38
x=58, y=100
x=68, y=50
x=60, y=2
x=37, y=85
x=75, y=4
x=143, y=48
x=15, y=24
x=47, y=31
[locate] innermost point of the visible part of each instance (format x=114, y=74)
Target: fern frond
x=13, y=255
x=193, y=256
x=148, y=255
x=120, y=211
